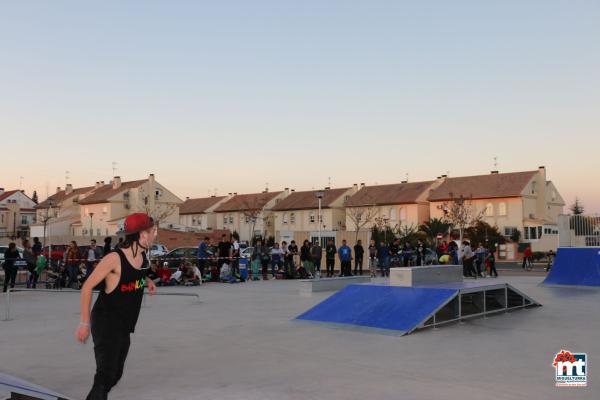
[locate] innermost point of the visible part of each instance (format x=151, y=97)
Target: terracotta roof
x=61, y=196
x=244, y=202
x=307, y=200
x=198, y=206
x=483, y=186
x=105, y=192
x=7, y=194
x=396, y=193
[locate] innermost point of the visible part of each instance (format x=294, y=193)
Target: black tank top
x=122, y=306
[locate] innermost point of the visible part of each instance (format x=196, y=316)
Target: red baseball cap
x=137, y=222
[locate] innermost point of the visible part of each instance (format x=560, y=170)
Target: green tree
x=482, y=232
x=516, y=236
x=577, y=207
x=435, y=226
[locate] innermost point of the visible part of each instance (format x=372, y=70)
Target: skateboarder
x=116, y=310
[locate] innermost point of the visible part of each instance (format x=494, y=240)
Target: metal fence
x=579, y=230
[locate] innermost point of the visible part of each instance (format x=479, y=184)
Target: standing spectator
x=526, y=257
x=224, y=250
x=284, y=256
x=203, y=255
x=93, y=255
x=480, y=254
x=306, y=258
x=442, y=249
x=407, y=253
x=550, y=260
x=235, y=256
x=330, y=252
x=30, y=258
x=292, y=252
x=72, y=261
x=384, y=258
x=37, y=246
x=345, y=254
x=359, y=252
x=467, y=258
x=276, y=259
x=317, y=253
x=262, y=252
x=107, y=246
x=491, y=259
x=373, y=254
x=421, y=251
x=10, y=269
x=395, y=253
x=453, y=253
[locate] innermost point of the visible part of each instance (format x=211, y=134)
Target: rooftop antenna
x=266, y=186
x=66, y=178
x=495, y=163
x=329, y=181
x=114, y=168
x=407, y=177
x=215, y=191
x=20, y=182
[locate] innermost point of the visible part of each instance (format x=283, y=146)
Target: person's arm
x=105, y=267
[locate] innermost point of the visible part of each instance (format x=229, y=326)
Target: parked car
x=158, y=250
x=3, y=249
x=178, y=256
x=57, y=253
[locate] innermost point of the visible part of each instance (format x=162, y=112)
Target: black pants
x=346, y=268
x=10, y=275
x=317, y=265
x=265, y=269
x=358, y=265
x=110, y=348
x=201, y=266
x=493, y=269
x=468, y=268
x=330, y=265
x=478, y=263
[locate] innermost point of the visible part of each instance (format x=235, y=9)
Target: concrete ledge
x=431, y=274
x=308, y=286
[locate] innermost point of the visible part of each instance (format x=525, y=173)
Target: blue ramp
x=577, y=266
x=395, y=308
x=22, y=389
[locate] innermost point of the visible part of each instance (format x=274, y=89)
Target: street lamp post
x=91, y=227
x=319, y=194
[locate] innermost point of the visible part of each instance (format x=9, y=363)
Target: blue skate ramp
x=20, y=387
x=394, y=308
x=577, y=266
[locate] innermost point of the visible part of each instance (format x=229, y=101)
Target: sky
x=230, y=96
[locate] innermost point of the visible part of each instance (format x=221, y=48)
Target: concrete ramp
x=20, y=389
x=401, y=310
x=575, y=266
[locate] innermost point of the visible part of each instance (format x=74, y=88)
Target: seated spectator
x=191, y=275
x=225, y=275
x=176, y=277
x=164, y=274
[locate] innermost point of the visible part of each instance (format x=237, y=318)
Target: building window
x=292, y=218
x=225, y=219
x=284, y=218
x=311, y=218
x=489, y=210
x=502, y=208
x=231, y=219
x=247, y=219
x=393, y=214
x=509, y=230
x=104, y=210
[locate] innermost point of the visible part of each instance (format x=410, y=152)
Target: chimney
x=292, y=190
x=116, y=183
x=493, y=172
x=101, y=183
x=69, y=188
x=444, y=176
x=57, y=189
x=97, y=185
x=1, y=190
x=355, y=187
x=230, y=194
x=235, y=193
x=151, y=180
x=327, y=188
x=404, y=182
x=286, y=190
x=187, y=197
x=362, y=185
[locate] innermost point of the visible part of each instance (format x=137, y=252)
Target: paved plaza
x=239, y=342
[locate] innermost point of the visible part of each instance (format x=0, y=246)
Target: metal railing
x=579, y=230
x=7, y=296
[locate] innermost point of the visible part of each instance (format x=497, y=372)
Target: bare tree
x=361, y=217
x=460, y=213
x=252, y=210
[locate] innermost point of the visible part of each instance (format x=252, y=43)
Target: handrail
x=9, y=290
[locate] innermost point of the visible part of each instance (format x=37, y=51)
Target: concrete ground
x=240, y=342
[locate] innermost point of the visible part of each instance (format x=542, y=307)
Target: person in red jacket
x=526, y=257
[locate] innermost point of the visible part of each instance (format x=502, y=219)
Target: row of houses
x=524, y=201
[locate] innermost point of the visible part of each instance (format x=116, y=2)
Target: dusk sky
x=233, y=94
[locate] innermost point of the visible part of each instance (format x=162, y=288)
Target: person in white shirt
x=468, y=257
x=276, y=259
x=235, y=257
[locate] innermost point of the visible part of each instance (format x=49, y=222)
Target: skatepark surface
x=240, y=342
